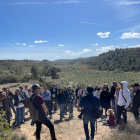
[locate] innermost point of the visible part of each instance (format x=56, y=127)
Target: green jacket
x=61, y=98
x=136, y=98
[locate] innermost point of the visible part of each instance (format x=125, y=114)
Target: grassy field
x=93, y=77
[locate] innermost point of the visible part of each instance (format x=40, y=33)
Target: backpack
x=33, y=112
x=97, y=110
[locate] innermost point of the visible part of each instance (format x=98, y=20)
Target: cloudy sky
x=67, y=29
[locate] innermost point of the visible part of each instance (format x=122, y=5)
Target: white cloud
x=128, y=2
x=28, y=3
x=24, y=44
x=105, y=49
x=103, y=35
x=135, y=46
x=91, y=23
x=131, y=34
x=125, y=44
x=95, y=44
x=61, y=45
x=86, y=50
x=31, y=46
x=72, y=1
x=68, y=51
x=40, y=41
x=18, y=43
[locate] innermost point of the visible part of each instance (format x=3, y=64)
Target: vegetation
x=120, y=59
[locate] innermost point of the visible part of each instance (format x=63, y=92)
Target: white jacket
x=126, y=94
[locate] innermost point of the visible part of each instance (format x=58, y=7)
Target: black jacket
x=54, y=93
x=112, y=92
x=16, y=99
x=136, y=98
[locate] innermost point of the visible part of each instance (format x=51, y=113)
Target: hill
x=121, y=59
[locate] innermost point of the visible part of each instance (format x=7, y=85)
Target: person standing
x=54, y=96
x=61, y=102
x=47, y=98
x=123, y=102
x=98, y=92
x=136, y=102
x=40, y=106
x=116, y=97
x=26, y=89
x=66, y=97
x=105, y=99
x=112, y=92
x=80, y=93
x=19, y=103
x=76, y=94
x=71, y=98
x=88, y=111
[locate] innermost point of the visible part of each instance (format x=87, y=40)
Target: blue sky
x=67, y=29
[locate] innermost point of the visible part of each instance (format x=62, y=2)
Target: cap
x=136, y=85
x=34, y=87
x=85, y=90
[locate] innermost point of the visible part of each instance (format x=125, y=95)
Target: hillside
x=120, y=59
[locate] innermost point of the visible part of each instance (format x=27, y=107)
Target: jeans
x=70, y=108
x=86, y=119
x=61, y=110
x=19, y=115
x=48, y=105
x=121, y=110
x=44, y=120
x=55, y=105
x=66, y=107
x=113, y=103
x=75, y=101
x=115, y=110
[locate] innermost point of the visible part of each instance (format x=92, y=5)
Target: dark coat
x=136, y=98
x=61, y=98
x=66, y=94
x=16, y=99
x=76, y=92
x=105, y=99
x=54, y=93
x=112, y=92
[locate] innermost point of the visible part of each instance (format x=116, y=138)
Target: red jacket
x=111, y=121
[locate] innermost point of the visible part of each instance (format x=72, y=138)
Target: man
x=85, y=104
x=26, y=90
x=47, y=98
x=40, y=106
x=123, y=102
x=66, y=97
x=76, y=94
x=112, y=92
x=54, y=96
x=6, y=105
x=136, y=101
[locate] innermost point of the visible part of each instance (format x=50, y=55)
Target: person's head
x=105, y=85
x=17, y=91
x=136, y=86
x=118, y=90
x=85, y=91
x=79, y=86
x=124, y=85
x=65, y=88
x=30, y=91
x=70, y=90
x=45, y=89
x=98, y=89
x=90, y=89
x=104, y=88
x=26, y=87
x=21, y=87
x=96, y=86
x=2, y=95
x=53, y=85
x=69, y=87
x=4, y=89
x=114, y=83
x=110, y=111
x=61, y=91
x=36, y=88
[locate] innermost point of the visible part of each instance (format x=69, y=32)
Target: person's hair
x=60, y=89
x=89, y=89
x=118, y=87
x=2, y=95
x=111, y=111
x=29, y=90
x=45, y=87
x=16, y=91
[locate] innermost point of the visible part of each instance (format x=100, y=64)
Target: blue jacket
x=54, y=93
x=16, y=99
x=88, y=107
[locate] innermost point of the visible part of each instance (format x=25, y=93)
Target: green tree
x=34, y=71
x=18, y=70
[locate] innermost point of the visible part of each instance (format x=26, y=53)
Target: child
x=111, y=121
x=70, y=102
x=61, y=102
x=116, y=97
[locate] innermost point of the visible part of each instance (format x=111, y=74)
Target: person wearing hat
x=136, y=101
x=40, y=106
x=54, y=96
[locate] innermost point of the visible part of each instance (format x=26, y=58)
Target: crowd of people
x=115, y=102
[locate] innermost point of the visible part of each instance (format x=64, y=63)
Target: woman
x=61, y=102
x=80, y=93
x=105, y=99
x=19, y=103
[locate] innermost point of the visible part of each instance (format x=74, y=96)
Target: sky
x=67, y=29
